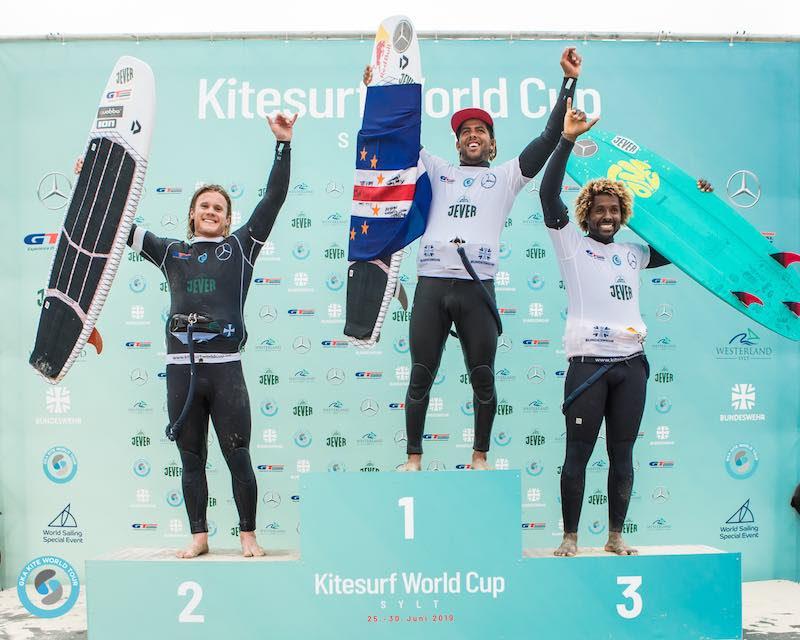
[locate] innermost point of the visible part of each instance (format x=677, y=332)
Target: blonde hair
x=585, y=199
x=205, y=189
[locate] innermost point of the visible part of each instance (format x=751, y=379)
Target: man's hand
x=78, y=166
x=367, y=75
x=571, y=62
x=704, y=185
x=282, y=126
x=575, y=122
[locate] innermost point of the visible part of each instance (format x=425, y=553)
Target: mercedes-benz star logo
x=664, y=312
x=535, y=374
x=54, y=190
x=335, y=376
x=744, y=188
x=334, y=189
x=400, y=437
x=585, y=148
x=272, y=499
x=660, y=494
x=436, y=465
x=223, y=252
x=268, y=313
x=138, y=376
x=369, y=407
x=403, y=33
x=504, y=344
x=169, y=221
x=301, y=344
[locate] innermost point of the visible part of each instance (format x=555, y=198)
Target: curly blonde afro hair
x=602, y=186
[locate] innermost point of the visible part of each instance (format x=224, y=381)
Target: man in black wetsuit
x=469, y=207
x=604, y=336
x=209, y=276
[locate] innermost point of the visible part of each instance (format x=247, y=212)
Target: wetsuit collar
x=485, y=163
x=217, y=239
x=596, y=239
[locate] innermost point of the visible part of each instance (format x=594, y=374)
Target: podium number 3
x=633, y=582
x=188, y=615
x=408, y=511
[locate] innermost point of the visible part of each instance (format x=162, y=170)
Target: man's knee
x=482, y=379
x=239, y=463
x=420, y=384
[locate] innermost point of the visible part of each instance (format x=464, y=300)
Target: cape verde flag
x=392, y=192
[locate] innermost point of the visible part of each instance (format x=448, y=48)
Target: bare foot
x=617, y=545
x=198, y=546
x=569, y=546
x=479, y=461
x=414, y=463
x=250, y=546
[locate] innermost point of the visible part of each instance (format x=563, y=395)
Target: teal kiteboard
x=698, y=232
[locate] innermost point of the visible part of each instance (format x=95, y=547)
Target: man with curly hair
x=604, y=337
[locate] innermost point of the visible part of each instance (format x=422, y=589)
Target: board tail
x=794, y=307
x=785, y=258
x=747, y=298
x=96, y=340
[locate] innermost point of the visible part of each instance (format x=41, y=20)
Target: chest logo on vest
x=468, y=182
x=446, y=179
x=488, y=181
x=223, y=252
x=596, y=256
x=632, y=261
x=202, y=258
x=620, y=290
x=462, y=209
x=201, y=285
x=616, y=260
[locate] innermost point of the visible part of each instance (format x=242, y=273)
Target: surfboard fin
x=96, y=340
x=401, y=295
x=785, y=258
x=747, y=298
x=794, y=307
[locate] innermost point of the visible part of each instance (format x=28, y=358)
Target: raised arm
x=264, y=215
x=533, y=157
x=553, y=207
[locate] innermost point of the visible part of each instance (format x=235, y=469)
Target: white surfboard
x=98, y=219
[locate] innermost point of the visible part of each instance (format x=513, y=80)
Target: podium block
x=439, y=551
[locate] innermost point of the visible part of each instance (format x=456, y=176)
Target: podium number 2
x=633, y=582
x=188, y=615
x=408, y=511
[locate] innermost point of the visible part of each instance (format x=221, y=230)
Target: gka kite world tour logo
x=48, y=586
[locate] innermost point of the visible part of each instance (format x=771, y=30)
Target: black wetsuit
x=439, y=302
x=618, y=395
x=211, y=278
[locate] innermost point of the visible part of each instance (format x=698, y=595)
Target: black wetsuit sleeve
x=556, y=215
x=533, y=157
x=148, y=245
x=266, y=212
x=656, y=259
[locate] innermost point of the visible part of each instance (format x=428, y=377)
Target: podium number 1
x=633, y=582
x=408, y=511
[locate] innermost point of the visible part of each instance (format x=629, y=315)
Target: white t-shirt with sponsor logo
x=602, y=283
x=471, y=203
